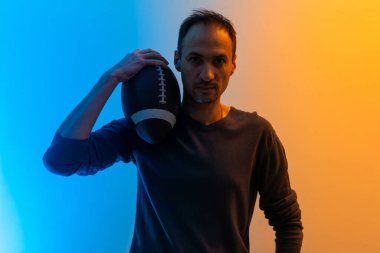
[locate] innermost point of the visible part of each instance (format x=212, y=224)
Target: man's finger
x=156, y=62
x=155, y=55
x=148, y=50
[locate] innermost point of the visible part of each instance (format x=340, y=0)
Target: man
x=197, y=189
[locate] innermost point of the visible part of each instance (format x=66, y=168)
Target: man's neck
x=206, y=113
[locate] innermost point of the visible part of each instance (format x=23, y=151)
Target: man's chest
x=193, y=163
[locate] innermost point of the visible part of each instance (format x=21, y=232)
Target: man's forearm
x=79, y=123
x=289, y=239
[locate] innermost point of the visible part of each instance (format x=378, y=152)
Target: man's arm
x=277, y=199
x=75, y=148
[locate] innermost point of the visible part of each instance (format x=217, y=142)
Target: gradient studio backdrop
x=310, y=67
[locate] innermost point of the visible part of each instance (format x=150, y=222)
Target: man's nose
x=207, y=73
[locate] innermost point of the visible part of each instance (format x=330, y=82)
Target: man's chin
x=200, y=98
x=204, y=100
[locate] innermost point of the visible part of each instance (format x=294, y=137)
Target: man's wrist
x=111, y=77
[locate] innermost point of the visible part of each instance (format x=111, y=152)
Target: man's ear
x=233, y=64
x=177, y=61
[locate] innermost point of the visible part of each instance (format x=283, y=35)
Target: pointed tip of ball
x=153, y=131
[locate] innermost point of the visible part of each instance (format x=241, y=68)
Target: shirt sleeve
x=104, y=147
x=277, y=199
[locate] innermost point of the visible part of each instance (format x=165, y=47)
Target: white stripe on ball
x=154, y=114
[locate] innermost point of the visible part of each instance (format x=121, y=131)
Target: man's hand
x=133, y=62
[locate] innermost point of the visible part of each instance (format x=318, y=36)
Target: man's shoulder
x=249, y=117
x=252, y=123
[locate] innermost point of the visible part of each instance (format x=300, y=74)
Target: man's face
x=206, y=63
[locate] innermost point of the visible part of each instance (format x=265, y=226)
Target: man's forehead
x=201, y=31
x=207, y=40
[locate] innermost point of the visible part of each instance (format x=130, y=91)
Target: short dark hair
x=206, y=17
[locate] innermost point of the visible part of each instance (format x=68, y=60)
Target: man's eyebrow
x=194, y=53
x=197, y=54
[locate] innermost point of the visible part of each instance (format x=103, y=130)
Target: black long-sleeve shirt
x=196, y=189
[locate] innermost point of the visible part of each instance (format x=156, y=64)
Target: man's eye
x=194, y=59
x=220, y=61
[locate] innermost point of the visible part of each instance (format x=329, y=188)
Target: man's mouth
x=205, y=87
